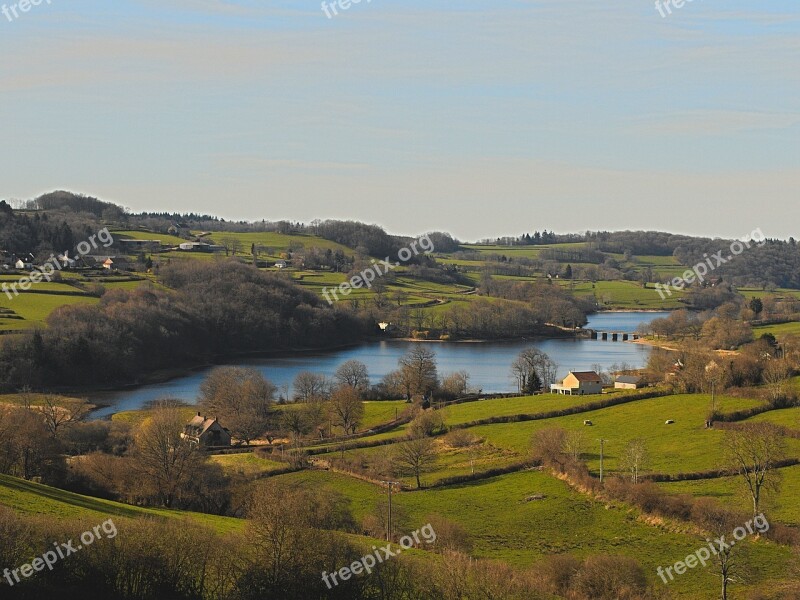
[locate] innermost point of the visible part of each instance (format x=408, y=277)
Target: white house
x=579, y=383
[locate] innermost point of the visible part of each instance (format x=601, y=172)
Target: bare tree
x=456, y=384
x=353, y=373
x=547, y=446
x=416, y=455
x=62, y=412
x=635, y=458
x=26, y=450
x=776, y=375
x=347, y=409
x=418, y=370
x=166, y=461
x=310, y=387
x=753, y=452
x=295, y=422
x=241, y=398
x=575, y=444
x=533, y=370
x=719, y=523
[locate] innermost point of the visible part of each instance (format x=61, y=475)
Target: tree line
x=211, y=310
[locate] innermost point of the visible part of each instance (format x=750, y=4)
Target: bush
x=558, y=572
x=460, y=438
x=450, y=536
x=427, y=423
x=610, y=578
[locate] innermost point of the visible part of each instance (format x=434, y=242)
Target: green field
x=33, y=498
x=731, y=491
x=684, y=446
x=502, y=525
x=248, y=464
x=31, y=310
x=778, y=331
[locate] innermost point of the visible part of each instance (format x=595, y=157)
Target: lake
x=488, y=363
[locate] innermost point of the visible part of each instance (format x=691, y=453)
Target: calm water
x=487, y=363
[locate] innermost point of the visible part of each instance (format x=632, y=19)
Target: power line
x=390, y=485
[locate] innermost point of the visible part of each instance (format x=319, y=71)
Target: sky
x=478, y=118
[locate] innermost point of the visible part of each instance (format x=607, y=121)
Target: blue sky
x=479, y=118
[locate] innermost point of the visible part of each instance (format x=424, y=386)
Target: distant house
x=110, y=263
x=195, y=247
x=281, y=264
x=179, y=229
x=628, y=382
x=66, y=261
x=206, y=432
x=579, y=383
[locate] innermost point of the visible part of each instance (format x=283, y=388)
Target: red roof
x=590, y=376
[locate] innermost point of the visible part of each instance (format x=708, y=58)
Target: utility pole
x=602, y=448
x=390, y=485
x=713, y=396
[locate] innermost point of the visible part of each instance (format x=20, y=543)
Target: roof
x=628, y=379
x=199, y=425
x=588, y=376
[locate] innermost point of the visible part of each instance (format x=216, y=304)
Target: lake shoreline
x=487, y=360
x=167, y=375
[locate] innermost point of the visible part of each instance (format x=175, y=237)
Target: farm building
x=195, y=247
x=628, y=382
x=206, y=432
x=579, y=383
x=139, y=245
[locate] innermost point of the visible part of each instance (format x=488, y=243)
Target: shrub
x=427, y=423
x=460, y=438
x=610, y=578
x=558, y=572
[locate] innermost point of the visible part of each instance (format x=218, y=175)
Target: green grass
x=684, y=446
x=778, y=331
x=248, y=464
x=135, y=417
x=731, y=491
x=164, y=238
x=503, y=526
x=788, y=417
x=33, y=498
x=33, y=398
x=278, y=242
x=379, y=412
x=483, y=409
x=35, y=308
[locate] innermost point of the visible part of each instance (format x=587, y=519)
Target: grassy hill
x=34, y=498
x=501, y=520
x=502, y=524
